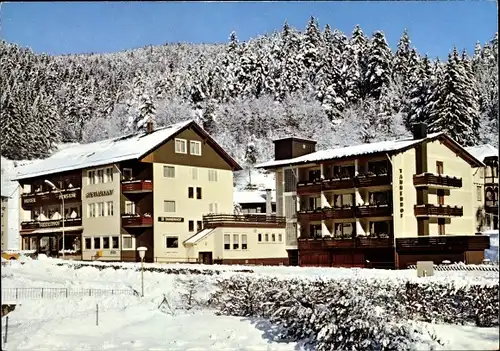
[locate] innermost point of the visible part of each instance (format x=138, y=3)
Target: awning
x=50, y=230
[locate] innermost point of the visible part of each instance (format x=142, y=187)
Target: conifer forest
x=339, y=89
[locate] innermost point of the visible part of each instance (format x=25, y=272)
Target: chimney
x=269, y=206
x=149, y=126
x=419, y=130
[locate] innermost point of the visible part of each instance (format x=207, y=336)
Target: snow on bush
x=355, y=314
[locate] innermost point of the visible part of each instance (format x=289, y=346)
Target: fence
x=13, y=294
x=460, y=267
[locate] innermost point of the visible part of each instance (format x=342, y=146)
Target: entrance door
x=205, y=257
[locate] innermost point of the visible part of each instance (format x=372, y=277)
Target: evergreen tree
x=378, y=68
x=422, y=85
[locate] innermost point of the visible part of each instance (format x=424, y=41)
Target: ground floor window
x=227, y=242
x=244, y=242
x=88, y=243
x=127, y=242
x=172, y=242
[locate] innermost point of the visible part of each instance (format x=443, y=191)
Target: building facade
x=386, y=204
x=489, y=210
x=102, y=201
x=5, y=222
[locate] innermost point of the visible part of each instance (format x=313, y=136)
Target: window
x=212, y=208
x=441, y=225
x=273, y=237
x=88, y=244
x=129, y=207
x=105, y=242
x=109, y=175
x=280, y=238
x=195, y=147
x=169, y=171
x=169, y=206
x=212, y=175
x=91, y=177
x=100, y=209
x=180, y=146
x=127, y=173
x=191, y=192
x=172, y=242
x=109, y=208
x=191, y=226
x=244, y=242
x=198, y=193
x=479, y=193
x=439, y=167
x=267, y=237
x=115, y=242
x=440, y=195
x=100, y=176
x=236, y=241
x=194, y=173
x=199, y=225
x=227, y=242
x=90, y=210
x=259, y=237
x=127, y=242
x=97, y=243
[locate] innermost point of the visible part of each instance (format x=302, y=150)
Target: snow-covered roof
x=128, y=147
x=483, y=151
x=252, y=196
x=198, y=236
x=356, y=150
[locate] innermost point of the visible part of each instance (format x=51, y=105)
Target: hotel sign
x=171, y=219
x=99, y=193
x=29, y=200
x=71, y=195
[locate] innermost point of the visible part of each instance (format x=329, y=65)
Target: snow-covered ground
x=135, y=323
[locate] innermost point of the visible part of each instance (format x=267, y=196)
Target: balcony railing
x=433, y=180
x=359, y=181
x=50, y=197
x=383, y=210
x=245, y=220
x=137, y=186
x=68, y=222
x=136, y=220
x=430, y=210
x=349, y=243
x=443, y=242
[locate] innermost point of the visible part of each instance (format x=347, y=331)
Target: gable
x=212, y=155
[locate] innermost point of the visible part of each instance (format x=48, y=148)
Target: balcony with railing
x=245, y=220
x=341, y=183
x=430, y=210
x=40, y=198
x=378, y=210
x=436, y=181
x=137, y=186
x=373, y=241
x=136, y=220
x=55, y=223
x=443, y=243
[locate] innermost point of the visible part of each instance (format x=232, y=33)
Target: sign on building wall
x=401, y=198
x=99, y=193
x=171, y=219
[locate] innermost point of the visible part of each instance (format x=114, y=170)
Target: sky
x=99, y=27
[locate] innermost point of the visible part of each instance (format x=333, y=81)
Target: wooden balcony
x=311, y=215
x=369, y=180
x=383, y=210
x=244, y=221
x=136, y=221
x=29, y=200
x=308, y=187
x=69, y=222
x=430, y=210
x=338, y=213
x=337, y=183
x=491, y=206
x=348, y=243
x=443, y=243
x=137, y=186
x=436, y=181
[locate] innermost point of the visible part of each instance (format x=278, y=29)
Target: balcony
x=241, y=221
x=338, y=213
x=137, y=186
x=309, y=187
x=69, y=222
x=359, y=181
x=350, y=243
x=430, y=210
x=491, y=206
x=29, y=200
x=443, y=243
x=338, y=183
x=436, y=181
x=136, y=221
x=311, y=215
x=382, y=210
x=372, y=179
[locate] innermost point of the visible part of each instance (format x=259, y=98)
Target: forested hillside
x=320, y=83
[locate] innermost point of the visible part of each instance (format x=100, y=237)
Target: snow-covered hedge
x=355, y=314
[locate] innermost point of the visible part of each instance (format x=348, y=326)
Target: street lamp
x=62, y=211
x=142, y=252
